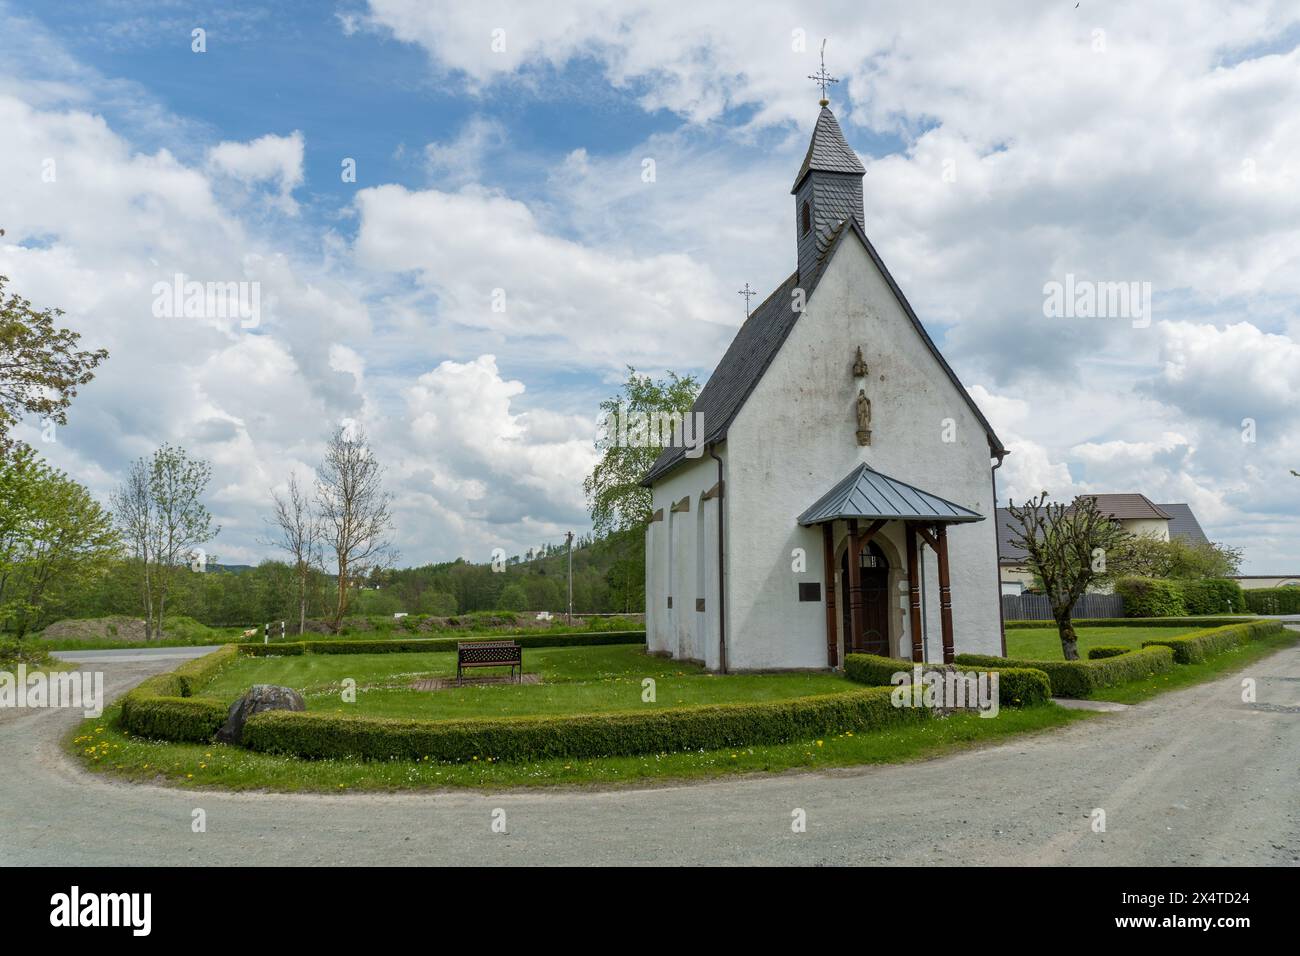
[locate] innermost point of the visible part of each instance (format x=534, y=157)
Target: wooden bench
x=489, y=654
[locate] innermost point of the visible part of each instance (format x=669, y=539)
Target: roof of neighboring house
x=866, y=493
x=1127, y=507
x=1008, y=553
x=1183, y=524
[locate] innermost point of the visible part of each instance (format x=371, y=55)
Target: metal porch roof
x=864, y=493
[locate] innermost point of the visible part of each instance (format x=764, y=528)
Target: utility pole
x=569, y=616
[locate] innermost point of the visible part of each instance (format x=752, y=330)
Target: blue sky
x=1005, y=149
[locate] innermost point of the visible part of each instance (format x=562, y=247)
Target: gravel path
x=1192, y=777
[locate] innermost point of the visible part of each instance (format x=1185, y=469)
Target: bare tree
x=298, y=530
x=354, y=515
x=1067, y=548
x=133, y=511
x=161, y=515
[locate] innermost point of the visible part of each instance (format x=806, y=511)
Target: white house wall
x=795, y=437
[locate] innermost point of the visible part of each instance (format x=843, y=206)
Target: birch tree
x=161, y=515
x=354, y=512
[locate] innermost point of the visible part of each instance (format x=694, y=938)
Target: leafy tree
x=40, y=365
x=53, y=536
x=615, y=497
x=1067, y=548
x=1151, y=557
x=514, y=598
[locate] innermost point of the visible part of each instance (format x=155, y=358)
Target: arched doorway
x=874, y=574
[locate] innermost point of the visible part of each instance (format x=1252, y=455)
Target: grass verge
x=1185, y=675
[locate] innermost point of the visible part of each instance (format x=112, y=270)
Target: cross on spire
x=747, y=292
x=822, y=78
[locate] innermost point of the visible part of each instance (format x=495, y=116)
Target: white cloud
x=268, y=159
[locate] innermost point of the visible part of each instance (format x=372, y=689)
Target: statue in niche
x=859, y=365
x=864, y=418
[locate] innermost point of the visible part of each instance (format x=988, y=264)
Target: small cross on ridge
x=747, y=292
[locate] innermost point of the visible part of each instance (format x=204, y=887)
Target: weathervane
x=747, y=292
x=822, y=78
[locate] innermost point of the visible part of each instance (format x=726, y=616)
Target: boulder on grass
x=259, y=698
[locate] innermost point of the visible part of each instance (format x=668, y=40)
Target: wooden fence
x=1036, y=607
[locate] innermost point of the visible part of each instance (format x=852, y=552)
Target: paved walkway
x=1192, y=777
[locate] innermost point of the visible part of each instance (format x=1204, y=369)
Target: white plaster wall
x=1157, y=528
x=671, y=564
x=794, y=438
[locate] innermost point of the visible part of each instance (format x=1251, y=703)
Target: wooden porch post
x=828, y=559
x=945, y=593
x=855, y=588
x=914, y=593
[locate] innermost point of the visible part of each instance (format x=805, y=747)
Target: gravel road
x=1192, y=777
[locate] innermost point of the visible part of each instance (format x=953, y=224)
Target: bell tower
x=828, y=189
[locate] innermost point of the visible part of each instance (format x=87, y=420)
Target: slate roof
x=1127, y=507
x=1183, y=524
x=866, y=493
x=828, y=151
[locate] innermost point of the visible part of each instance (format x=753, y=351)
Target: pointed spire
x=828, y=151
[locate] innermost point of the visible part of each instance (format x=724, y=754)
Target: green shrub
x=1080, y=679
x=437, y=644
x=1150, y=597
x=1200, y=645
x=1023, y=686
x=1213, y=596
x=1273, y=600
x=335, y=736
x=1107, y=650
x=1017, y=686
x=28, y=651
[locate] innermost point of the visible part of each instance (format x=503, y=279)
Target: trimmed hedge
x=1195, y=648
x=1273, y=600
x=164, y=706
x=1081, y=678
x=1107, y=650
x=189, y=719
x=438, y=644
x=1084, y=622
x=1017, y=686
x=1213, y=596
x=314, y=735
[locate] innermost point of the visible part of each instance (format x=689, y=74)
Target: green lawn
x=1044, y=643
x=574, y=680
